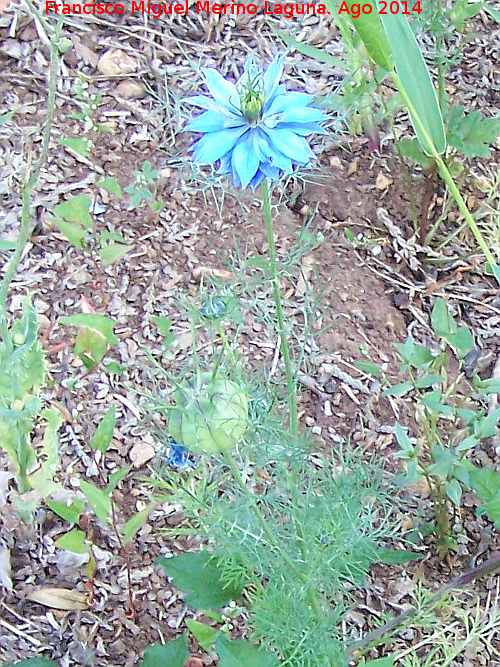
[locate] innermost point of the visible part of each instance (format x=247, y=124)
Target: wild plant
x=393, y=51
x=80, y=539
x=22, y=360
x=285, y=539
x=452, y=419
x=287, y=535
x=22, y=376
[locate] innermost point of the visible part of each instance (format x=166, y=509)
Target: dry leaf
x=307, y=264
x=194, y=661
x=212, y=272
x=141, y=453
x=5, y=580
x=59, y=598
x=4, y=4
x=382, y=182
x=83, y=51
x=116, y=62
x=130, y=90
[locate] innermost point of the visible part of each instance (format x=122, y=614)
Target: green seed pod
x=211, y=414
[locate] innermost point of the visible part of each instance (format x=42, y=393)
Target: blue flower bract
x=254, y=128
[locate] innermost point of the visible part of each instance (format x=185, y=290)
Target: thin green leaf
x=104, y=325
x=402, y=438
x=76, y=209
x=398, y=389
x=494, y=13
x=310, y=51
x=75, y=235
x=396, y=556
x=80, y=146
x=441, y=319
x=103, y=435
x=461, y=341
x=410, y=148
x=99, y=500
x=371, y=32
x=204, y=634
x=116, y=477
x=7, y=245
x=415, y=79
x=454, y=491
x=4, y=118
x=368, y=368
x=73, y=541
x=113, y=252
x=136, y=522
x=111, y=185
x=378, y=662
x=71, y=512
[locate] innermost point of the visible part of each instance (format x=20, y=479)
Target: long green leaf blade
x=416, y=81
x=370, y=31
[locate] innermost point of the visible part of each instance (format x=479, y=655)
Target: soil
x=359, y=255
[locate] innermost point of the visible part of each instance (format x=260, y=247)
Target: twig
x=488, y=567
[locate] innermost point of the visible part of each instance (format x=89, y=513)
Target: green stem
x=312, y=594
x=260, y=517
x=444, y=172
x=285, y=351
x=25, y=226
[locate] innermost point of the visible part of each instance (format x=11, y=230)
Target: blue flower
x=254, y=128
x=179, y=456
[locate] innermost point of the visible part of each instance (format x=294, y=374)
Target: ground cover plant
x=249, y=324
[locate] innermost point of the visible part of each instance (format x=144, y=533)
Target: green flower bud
x=213, y=308
x=252, y=103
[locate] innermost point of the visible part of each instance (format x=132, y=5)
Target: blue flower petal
x=211, y=105
x=303, y=129
x=248, y=148
x=270, y=155
x=291, y=145
x=272, y=77
x=244, y=159
x=302, y=115
x=214, y=145
x=257, y=179
x=224, y=92
x=213, y=122
x=288, y=101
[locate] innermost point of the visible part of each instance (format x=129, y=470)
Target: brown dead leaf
x=59, y=598
x=212, y=272
x=382, y=182
x=116, y=62
x=194, y=661
x=130, y=90
x=307, y=264
x=5, y=580
x=84, y=52
x=141, y=453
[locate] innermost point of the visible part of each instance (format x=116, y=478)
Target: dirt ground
x=367, y=296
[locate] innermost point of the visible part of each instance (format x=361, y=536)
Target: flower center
x=252, y=101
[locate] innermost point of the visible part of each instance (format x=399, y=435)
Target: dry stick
x=25, y=226
x=488, y=567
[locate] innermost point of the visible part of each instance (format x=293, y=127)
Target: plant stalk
x=445, y=173
x=285, y=351
x=32, y=182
